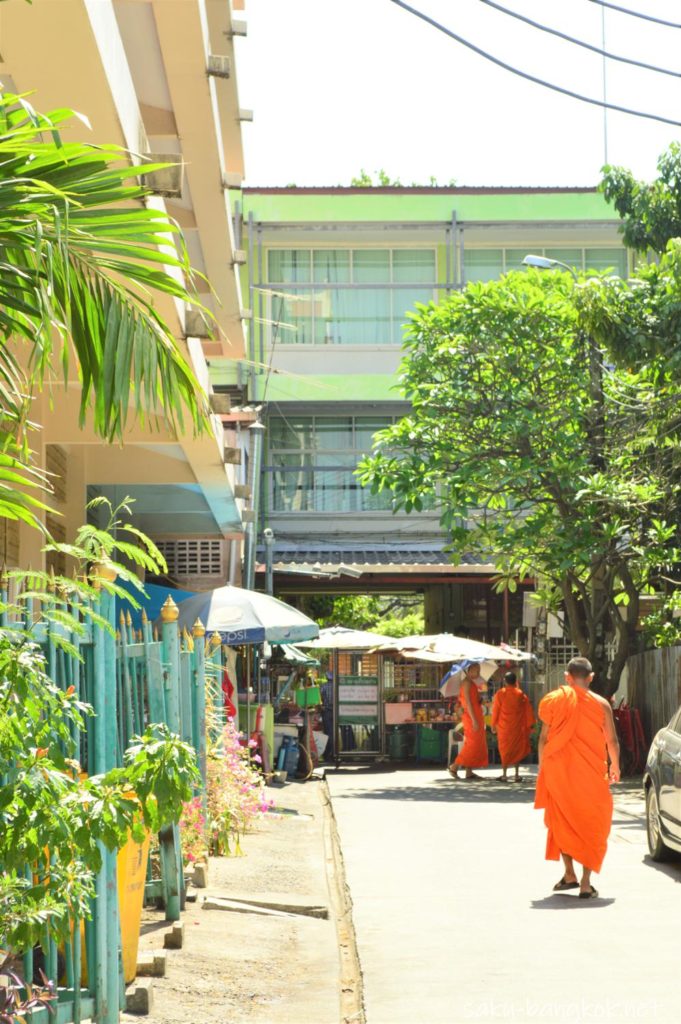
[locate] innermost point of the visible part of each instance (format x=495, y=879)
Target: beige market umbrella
x=339, y=638
x=444, y=648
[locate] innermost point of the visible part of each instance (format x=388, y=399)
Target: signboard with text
x=358, y=700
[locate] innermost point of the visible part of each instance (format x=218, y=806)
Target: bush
x=236, y=795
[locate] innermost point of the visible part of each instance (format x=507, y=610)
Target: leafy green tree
x=383, y=180
x=531, y=467
x=82, y=260
x=409, y=624
x=650, y=211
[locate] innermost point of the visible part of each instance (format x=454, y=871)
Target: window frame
x=326, y=465
x=540, y=250
x=395, y=320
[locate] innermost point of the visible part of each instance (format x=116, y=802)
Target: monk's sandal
x=564, y=884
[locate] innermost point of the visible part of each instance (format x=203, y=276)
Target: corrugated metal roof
x=325, y=555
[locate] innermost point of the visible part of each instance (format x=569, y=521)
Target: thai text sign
x=358, y=700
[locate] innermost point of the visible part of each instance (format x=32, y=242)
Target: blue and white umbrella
x=246, y=617
x=451, y=684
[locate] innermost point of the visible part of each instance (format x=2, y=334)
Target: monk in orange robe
x=473, y=754
x=578, y=734
x=512, y=720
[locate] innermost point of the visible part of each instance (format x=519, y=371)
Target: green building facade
x=331, y=274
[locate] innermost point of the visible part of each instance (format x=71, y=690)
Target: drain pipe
x=268, y=537
x=257, y=433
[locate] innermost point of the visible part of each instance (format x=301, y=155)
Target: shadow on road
x=561, y=901
x=444, y=791
x=671, y=868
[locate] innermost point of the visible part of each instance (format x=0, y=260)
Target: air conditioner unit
x=232, y=179
x=239, y=28
x=195, y=325
x=219, y=66
x=166, y=182
x=220, y=403
x=232, y=456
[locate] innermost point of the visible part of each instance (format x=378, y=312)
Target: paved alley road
x=455, y=918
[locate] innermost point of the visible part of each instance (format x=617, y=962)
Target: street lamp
x=544, y=263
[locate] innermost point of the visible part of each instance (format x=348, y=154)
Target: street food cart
x=420, y=712
x=356, y=691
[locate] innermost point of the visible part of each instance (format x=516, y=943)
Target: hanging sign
x=358, y=700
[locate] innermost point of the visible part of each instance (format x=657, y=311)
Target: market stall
x=421, y=712
x=355, y=692
x=248, y=624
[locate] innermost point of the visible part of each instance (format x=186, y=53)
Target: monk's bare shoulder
x=601, y=700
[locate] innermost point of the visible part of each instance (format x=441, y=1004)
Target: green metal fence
x=131, y=680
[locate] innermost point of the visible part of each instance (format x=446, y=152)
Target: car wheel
x=658, y=851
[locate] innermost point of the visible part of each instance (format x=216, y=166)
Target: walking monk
x=473, y=754
x=512, y=720
x=578, y=734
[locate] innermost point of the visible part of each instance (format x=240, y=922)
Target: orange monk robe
x=512, y=717
x=572, y=786
x=473, y=754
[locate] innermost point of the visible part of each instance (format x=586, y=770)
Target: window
x=347, y=296
x=312, y=460
x=489, y=264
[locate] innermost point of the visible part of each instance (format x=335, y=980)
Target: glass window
x=483, y=264
x=331, y=266
x=310, y=310
x=333, y=434
x=286, y=266
x=413, y=266
x=371, y=266
x=514, y=258
x=312, y=462
x=290, y=434
x=573, y=257
x=614, y=260
x=292, y=483
x=365, y=429
x=404, y=301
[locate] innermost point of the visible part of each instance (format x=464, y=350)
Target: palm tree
x=82, y=259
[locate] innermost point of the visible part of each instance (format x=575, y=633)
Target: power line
x=531, y=78
x=636, y=14
x=580, y=42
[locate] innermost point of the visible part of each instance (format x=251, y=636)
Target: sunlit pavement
x=456, y=921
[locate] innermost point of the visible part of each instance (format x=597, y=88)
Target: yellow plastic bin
x=132, y=876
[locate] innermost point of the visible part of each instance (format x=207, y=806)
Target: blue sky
x=339, y=85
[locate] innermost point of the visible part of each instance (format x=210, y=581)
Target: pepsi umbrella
x=246, y=617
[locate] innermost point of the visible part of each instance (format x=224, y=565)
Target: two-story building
x=158, y=80
x=331, y=274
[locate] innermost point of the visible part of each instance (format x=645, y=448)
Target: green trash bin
x=398, y=743
x=431, y=744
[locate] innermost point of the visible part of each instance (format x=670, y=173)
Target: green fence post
x=169, y=837
x=186, y=698
x=105, y=737
x=199, y=699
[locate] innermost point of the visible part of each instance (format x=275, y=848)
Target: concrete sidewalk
x=242, y=964
x=455, y=919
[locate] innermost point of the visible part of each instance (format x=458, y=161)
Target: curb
x=351, y=979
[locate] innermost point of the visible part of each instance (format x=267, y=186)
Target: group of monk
x=512, y=721
x=578, y=760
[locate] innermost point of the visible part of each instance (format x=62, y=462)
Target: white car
x=662, y=785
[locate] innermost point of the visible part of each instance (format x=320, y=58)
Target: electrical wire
x=531, y=78
x=636, y=14
x=580, y=42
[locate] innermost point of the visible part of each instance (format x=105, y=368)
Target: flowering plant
x=235, y=790
x=194, y=831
